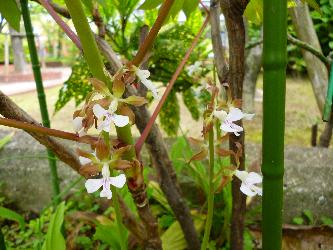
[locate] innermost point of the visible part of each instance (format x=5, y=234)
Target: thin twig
x=61, y=23
x=148, y=43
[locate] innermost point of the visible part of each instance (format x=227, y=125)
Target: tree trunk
x=17, y=46
x=317, y=71
x=233, y=11
x=253, y=63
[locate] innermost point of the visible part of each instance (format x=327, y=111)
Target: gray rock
x=25, y=176
x=24, y=172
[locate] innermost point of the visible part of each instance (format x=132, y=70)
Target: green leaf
x=54, y=239
x=176, y=7
x=6, y=139
x=173, y=237
x=109, y=234
x=254, y=11
x=327, y=221
x=11, y=215
x=150, y=4
x=170, y=115
x=298, y=221
x=189, y=6
x=10, y=11
x=309, y=216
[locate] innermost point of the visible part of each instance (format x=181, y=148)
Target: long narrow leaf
x=11, y=215
x=54, y=239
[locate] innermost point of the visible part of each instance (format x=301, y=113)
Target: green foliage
x=8, y=214
x=170, y=115
x=326, y=221
x=188, y=6
x=76, y=87
x=10, y=11
x=298, y=220
x=109, y=234
x=54, y=239
x=191, y=103
x=173, y=237
x=5, y=140
x=323, y=22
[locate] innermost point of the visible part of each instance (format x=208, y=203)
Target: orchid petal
x=113, y=106
x=231, y=128
x=247, y=190
x=106, y=192
x=99, y=111
x=84, y=160
x=77, y=123
x=120, y=120
x=92, y=185
x=220, y=114
x=235, y=114
x=254, y=178
x=118, y=181
x=142, y=73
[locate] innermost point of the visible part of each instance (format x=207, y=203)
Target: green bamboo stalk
x=274, y=62
x=210, y=198
x=40, y=91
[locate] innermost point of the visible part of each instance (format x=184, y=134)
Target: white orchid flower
x=228, y=119
x=92, y=185
x=249, y=179
x=193, y=68
x=107, y=117
x=143, y=75
x=77, y=124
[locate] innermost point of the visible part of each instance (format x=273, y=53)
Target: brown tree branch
x=218, y=49
x=233, y=13
x=10, y=110
x=148, y=42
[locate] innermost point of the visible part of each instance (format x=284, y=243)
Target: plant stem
x=274, y=62
x=120, y=225
x=41, y=93
x=210, y=198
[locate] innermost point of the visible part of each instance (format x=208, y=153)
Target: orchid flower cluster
x=226, y=114
x=105, y=108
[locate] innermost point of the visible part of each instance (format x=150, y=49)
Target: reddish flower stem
x=47, y=131
x=61, y=23
x=144, y=135
x=148, y=42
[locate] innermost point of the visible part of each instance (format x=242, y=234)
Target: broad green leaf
x=54, y=239
x=150, y=4
x=10, y=11
x=173, y=237
x=6, y=139
x=159, y=196
x=189, y=6
x=254, y=11
x=176, y=7
x=109, y=234
x=11, y=215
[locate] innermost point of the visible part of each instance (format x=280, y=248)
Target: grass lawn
x=301, y=113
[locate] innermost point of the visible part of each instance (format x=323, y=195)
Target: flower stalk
x=210, y=199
